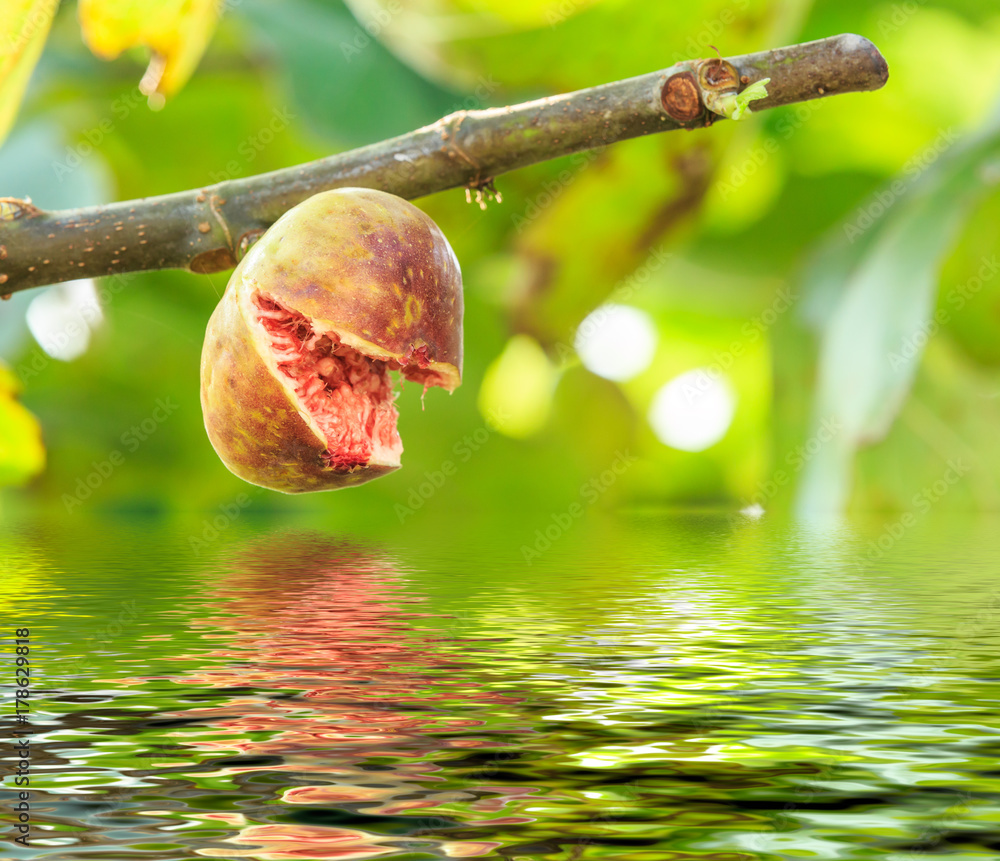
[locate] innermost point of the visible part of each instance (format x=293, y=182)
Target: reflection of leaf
x=176, y=31
x=875, y=329
x=23, y=28
x=21, y=451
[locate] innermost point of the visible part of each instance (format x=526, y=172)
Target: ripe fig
x=343, y=289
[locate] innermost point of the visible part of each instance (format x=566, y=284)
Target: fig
x=342, y=293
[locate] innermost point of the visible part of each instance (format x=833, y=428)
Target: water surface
x=652, y=687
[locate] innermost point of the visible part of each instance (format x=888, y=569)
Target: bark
x=208, y=229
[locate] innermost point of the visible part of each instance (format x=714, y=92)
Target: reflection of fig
x=344, y=288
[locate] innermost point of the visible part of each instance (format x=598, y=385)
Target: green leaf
x=24, y=26
x=876, y=328
x=176, y=31
x=21, y=452
x=350, y=88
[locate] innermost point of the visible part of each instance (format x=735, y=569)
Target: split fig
x=343, y=290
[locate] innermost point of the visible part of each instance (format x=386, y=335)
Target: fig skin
x=362, y=264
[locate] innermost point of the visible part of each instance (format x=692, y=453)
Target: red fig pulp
x=348, y=395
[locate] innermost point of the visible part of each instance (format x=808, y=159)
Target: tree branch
x=209, y=229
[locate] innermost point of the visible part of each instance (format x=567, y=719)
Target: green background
x=710, y=231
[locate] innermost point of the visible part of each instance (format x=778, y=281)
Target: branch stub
x=681, y=99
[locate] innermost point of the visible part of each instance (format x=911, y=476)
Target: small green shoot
x=736, y=106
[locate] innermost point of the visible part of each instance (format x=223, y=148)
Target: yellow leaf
x=22, y=454
x=176, y=31
x=24, y=24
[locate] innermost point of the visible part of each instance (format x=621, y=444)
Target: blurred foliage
x=876, y=289
x=735, y=240
x=21, y=451
x=25, y=26
x=176, y=31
